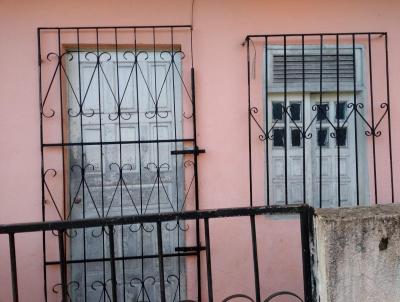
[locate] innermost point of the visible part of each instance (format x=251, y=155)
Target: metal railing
x=60, y=229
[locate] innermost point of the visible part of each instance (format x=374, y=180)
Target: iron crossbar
x=150, y=218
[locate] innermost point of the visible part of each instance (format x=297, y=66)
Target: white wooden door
x=321, y=141
x=125, y=178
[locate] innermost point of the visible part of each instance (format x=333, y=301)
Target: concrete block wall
x=357, y=254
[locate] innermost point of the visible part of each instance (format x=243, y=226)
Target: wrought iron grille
x=108, y=290
x=319, y=119
x=118, y=137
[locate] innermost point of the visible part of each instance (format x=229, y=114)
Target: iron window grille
x=319, y=119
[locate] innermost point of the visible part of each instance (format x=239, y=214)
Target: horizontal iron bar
x=183, y=254
x=189, y=248
x=196, y=151
x=119, y=142
x=316, y=34
x=116, y=27
x=150, y=218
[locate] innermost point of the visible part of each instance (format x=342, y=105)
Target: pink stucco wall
x=219, y=29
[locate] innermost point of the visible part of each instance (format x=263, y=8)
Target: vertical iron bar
x=355, y=116
x=101, y=152
x=249, y=123
x=136, y=62
x=306, y=216
x=255, y=258
x=62, y=121
x=156, y=116
x=196, y=171
x=112, y=263
x=63, y=266
x=285, y=117
x=208, y=257
x=161, y=261
x=371, y=88
x=304, y=120
x=337, y=117
x=196, y=184
x=389, y=121
x=320, y=120
x=43, y=209
x=266, y=120
x=176, y=160
x=121, y=179
x=13, y=262
x=82, y=160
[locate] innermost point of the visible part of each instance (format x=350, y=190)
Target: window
x=315, y=122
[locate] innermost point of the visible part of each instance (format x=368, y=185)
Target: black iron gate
x=118, y=137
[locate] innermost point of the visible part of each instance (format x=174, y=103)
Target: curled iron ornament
x=98, y=56
x=172, y=276
x=126, y=167
x=82, y=169
x=283, y=293
x=187, y=116
x=156, y=167
x=184, y=228
x=70, y=287
x=263, y=136
x=142, y=283
x=59, y=66
x=81, y=112
x=172, y=59
x=103, y=285
x=178, y=284
x=172, y=55
x=148, y=228
x=76, y=199
x=60, y=57
x=100, y=283
x=372, y=130
x=135, y=55
x=152, y=113
x=113, y=116
x=50, y=170
x=188, y=163
x=240, y=296
x=54, y=172
x=68, y=233
x=303, y=132
x=103, y=230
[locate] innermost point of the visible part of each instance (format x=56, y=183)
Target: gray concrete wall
x=357, y=254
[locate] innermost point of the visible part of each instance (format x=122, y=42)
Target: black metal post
x=161, y=261
x=112, y=262
x=255, y=258
x=306, y=223
x=63, y=266
x=13, y=261
x=208, y=257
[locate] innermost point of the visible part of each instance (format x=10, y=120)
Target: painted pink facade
x=219, y=30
